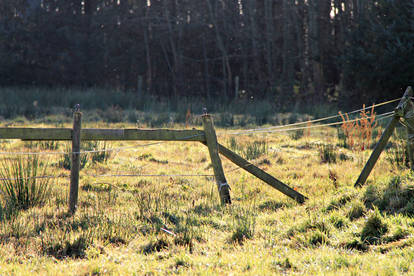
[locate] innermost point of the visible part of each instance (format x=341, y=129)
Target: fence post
x=399, y=112
x=212, y=145
x=75, y=166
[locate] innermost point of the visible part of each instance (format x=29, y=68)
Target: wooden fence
x=207, y=136
x=404, y=111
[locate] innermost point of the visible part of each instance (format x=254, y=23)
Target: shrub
x=24, y=182
x=358, y=134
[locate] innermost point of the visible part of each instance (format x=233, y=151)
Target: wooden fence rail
x=207, y=137
x=93, y=134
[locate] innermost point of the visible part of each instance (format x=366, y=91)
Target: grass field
x=175, y=224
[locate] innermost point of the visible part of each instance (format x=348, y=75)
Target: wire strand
x=93, y=151
x=109, y=175
x=384, y=116
x=325, y=118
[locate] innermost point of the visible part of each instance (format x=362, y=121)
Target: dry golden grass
x=118, y=228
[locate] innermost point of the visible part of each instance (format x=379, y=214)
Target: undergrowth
x=24, y=182
x=175, y=224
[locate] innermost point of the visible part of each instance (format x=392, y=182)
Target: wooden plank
x=143, y=134
x=36, y=133
x=75, y=165
x=31, y=134
x=399, y=111
x=267, y=178
x=211, y=142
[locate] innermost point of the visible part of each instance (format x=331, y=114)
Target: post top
x=76, y=108
x=400, y=109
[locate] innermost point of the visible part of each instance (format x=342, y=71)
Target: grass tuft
x=24, y=182
x=374, y=228
x=155, y=246
x=327, y=153
x=357, y=210
x=243, y=226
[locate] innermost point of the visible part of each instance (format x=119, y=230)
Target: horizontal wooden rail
x=88, y=134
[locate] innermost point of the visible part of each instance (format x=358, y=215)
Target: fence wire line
x=325, y=118
x=255, y=163
x=93, y=151
x=384, y=116
x=109, y=175
x=257, y=130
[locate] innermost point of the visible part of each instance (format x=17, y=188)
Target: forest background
x=289, y=53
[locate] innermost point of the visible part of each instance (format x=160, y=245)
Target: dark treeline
x=289, y=50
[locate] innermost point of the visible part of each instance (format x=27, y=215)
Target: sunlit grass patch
x=24, y=182
x=175, y=224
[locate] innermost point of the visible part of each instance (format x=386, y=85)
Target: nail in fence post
x=212, y=145
x=75, y=166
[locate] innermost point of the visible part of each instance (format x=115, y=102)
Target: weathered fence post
x=212, y=145
x=399, y=112
x=75, y=166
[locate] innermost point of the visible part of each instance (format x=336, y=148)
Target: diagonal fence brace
x=399, y=112
x=262, y=175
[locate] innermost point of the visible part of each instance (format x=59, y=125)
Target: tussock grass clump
x=62, y=248
x=244, y=224
x=339, y=201
x=328, y=153
x=397, y=155
x=297, y=134
x=396, y=197
x=356, y=210
x=255, y=150
x=49, y=145
x=24, y=182
x=272, y=205
x=96, y=152
x=249, y=150
x=374, y=228
x=356, y=244
x=66, y=161
x=371, y=196
x=283, y=265
x=338, y=221
x=156, y=245
x=317, y=237
x=43, y=145
x=102, y=152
